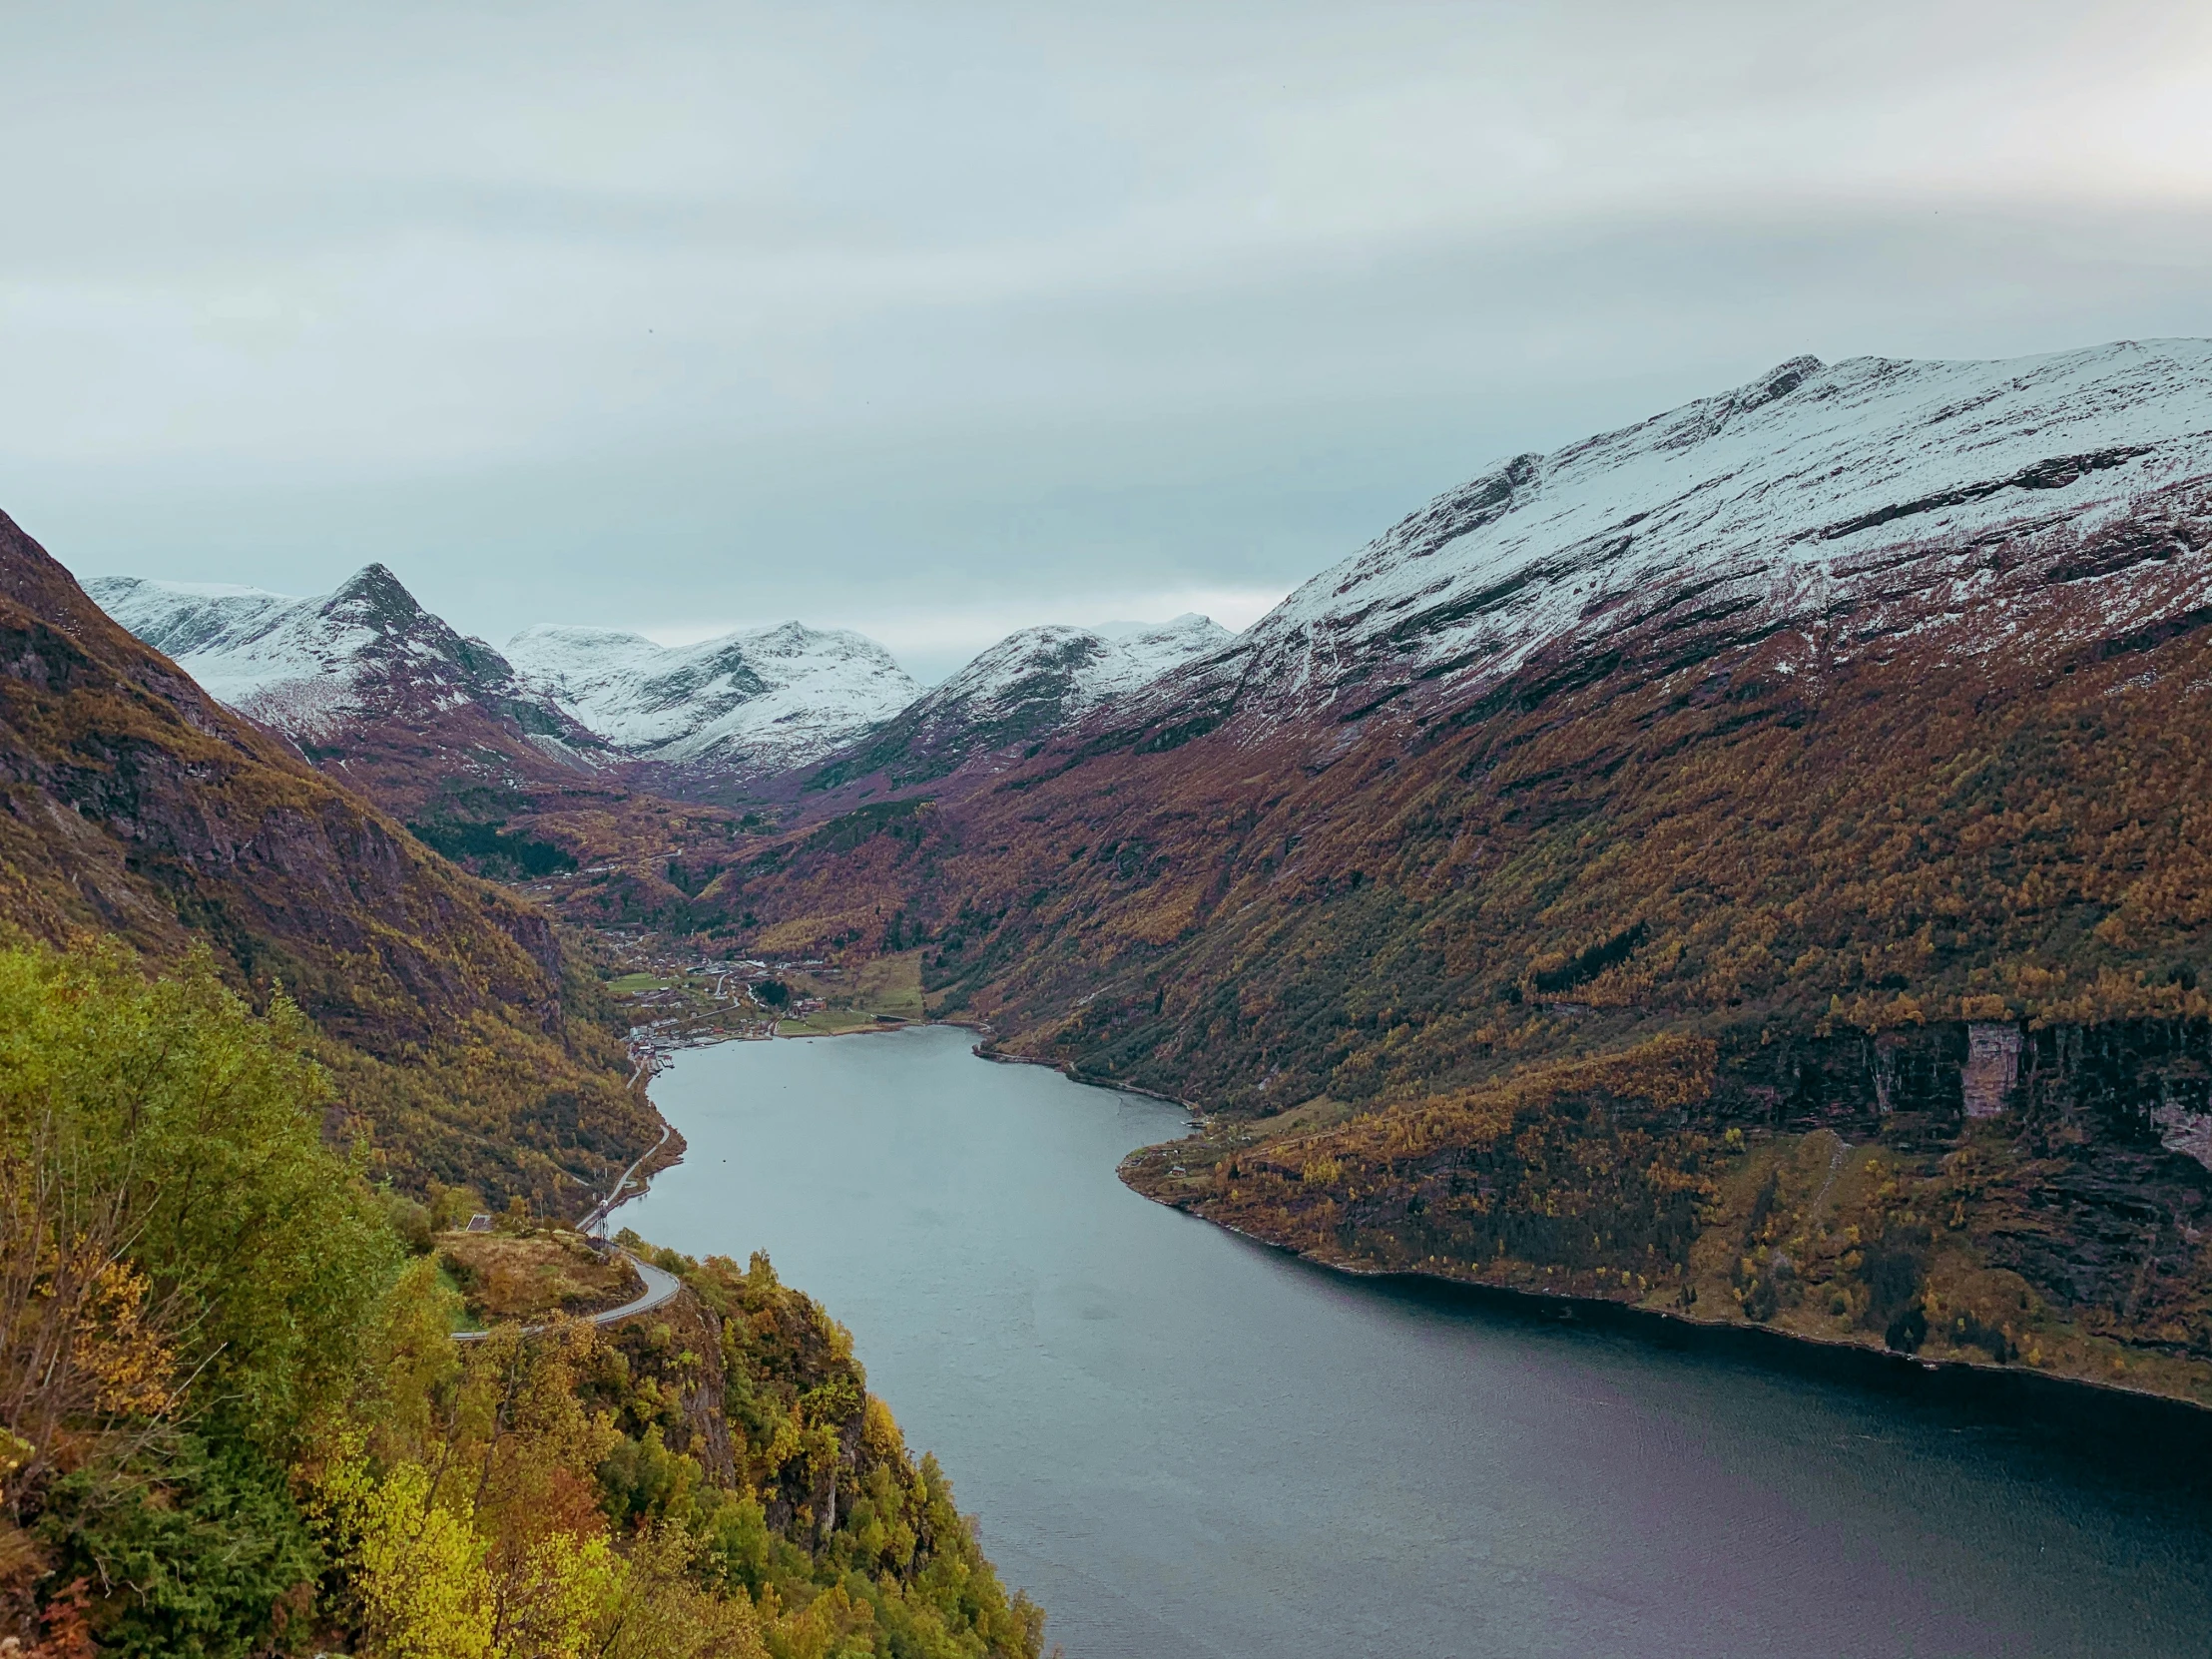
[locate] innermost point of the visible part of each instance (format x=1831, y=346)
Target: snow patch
x=310, y=667
x=1081, y=668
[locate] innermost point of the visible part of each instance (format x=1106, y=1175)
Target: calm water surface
x=1183, y=1443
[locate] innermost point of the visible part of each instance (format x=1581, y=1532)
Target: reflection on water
x=1183, y=1443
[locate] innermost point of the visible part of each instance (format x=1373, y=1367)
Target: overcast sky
x=936, y=320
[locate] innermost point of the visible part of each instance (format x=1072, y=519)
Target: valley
x=1563, y=862
x=1745, y=870
x=681, y=1001
x=1106, y=832
x=1557, y=929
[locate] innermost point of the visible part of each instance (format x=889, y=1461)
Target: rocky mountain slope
x=1751, y=863
x=1027, y=686
x=489, y=766
x=368, y=685
x=136, y=804
x=740, y=706
x=374, y=687
x=1809, y=494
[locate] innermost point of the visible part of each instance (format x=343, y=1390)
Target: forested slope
x=235, y=1422
x=469, y=1046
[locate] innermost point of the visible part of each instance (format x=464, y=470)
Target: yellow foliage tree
x=424, y=1585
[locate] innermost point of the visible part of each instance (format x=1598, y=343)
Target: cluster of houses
x=708, y=1000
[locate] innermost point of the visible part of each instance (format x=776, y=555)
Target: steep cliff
x=136, y=804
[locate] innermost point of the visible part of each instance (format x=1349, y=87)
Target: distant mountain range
x=743, y=705
x=1022, y=690
x=371, y=684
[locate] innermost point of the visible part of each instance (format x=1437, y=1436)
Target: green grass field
x=887, y=985
x=463, y=1320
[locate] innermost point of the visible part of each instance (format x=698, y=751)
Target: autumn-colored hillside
x=467, y=1046
x=1936, y=846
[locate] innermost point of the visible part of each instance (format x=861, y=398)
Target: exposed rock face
x=1768, y=1189
x=364, y=681
x=1030, y=686
x=1993, y=1067
x=743, y=705
x=136, y=803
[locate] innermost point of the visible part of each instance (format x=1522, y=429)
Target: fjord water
x=1184, y=1443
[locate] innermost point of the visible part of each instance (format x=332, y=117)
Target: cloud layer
x=939, y=321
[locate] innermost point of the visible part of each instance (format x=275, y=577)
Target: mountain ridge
x=1779, y=501
x=364, y=681
x=464, y=741
x=1030, y=685
x=749, y=702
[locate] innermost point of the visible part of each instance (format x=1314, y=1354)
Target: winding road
x=599, y=1212
x=659, y=1287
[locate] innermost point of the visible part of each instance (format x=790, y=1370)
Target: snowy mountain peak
x=377, y=596
x=309, y=666
x=1052, y=649
x=758, y=700
x=1778, y=381
x=181, y=618
x=1809, y=474
x=1074, y=669
x=1030, y=684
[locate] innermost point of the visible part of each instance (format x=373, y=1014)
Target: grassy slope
x=504, y=1275
x=889, y=986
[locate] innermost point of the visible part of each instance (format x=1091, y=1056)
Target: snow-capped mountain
x=1058, y=673
x=754, y=702
x=325, y=671
x=368, y=661
x=1137, y=657
x=1815, y=491
x=1027, y=686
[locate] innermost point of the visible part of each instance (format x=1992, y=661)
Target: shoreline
x=669, y=1151
x=1774, y=1349
x=1068, y=1069
x=2019, y=1389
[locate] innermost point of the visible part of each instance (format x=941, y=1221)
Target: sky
x=941, y=320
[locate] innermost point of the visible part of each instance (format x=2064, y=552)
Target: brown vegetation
x=524, y=1278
